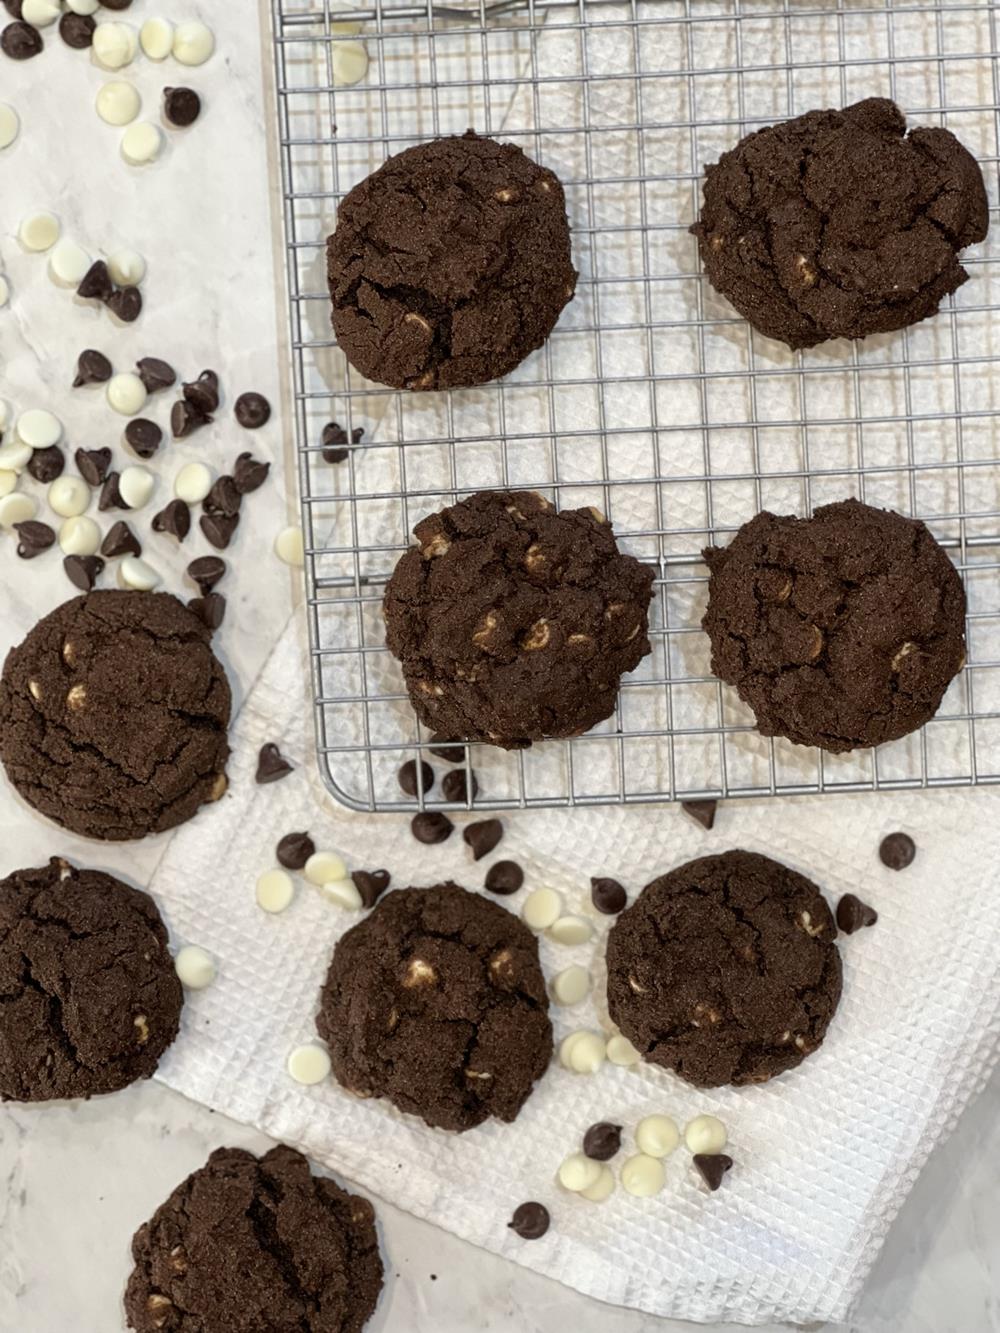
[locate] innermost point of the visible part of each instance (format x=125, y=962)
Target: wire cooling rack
x=652, y=399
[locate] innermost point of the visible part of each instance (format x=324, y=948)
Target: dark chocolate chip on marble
x=155, y=374
x=530, y=1220
x=120, y=540
x=92, y=465
x=206, y=571
x=203, y=393
x=77, y=30
x=252, y=410
x=210, y=610
x=897, y=851
x=371, y=884
x=111, y=497
x=459, y=786
x=143, y=437
x=174, y=519
x=407, y=777
x=452, y=752
x=483, y=836
x=92, y=367
x=602, y=1141
x=33, y=538
x=607, y=895
x=185, y=419
x=47, y=464
x=20, y=41
x=126, y=303
x=505, y=877
x=702, y=812
x=83, y=570
x=294, y=850
x=431, y=826
x=853, y=914
x=249, y=474
x=96, y=284
x=223, y=498
x=219, y=528
x=181, y=106
x=712, y=1167
x=272, y=765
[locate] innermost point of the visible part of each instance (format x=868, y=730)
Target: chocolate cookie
x=247, y=1245
x=839, y=224
x=114, y=714
x=436, y=1001
x=726, y=970
x=514, y=623
x=89, y=999
x=449, y=264
x=842, y=630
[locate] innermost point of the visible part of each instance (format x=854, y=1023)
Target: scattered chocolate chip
x=77, y=30
x=46, y=464
x=92, y=465
x=505, y=877
x=483, y=836
x=13, y=7
x=111, y=497
x=174, y=519
x=252, y=410
x=116, y=4
x=181, y=106
x=371, y=884
x=455, y=786
x=126, y=304
x=602, y=1141
x=219, y=528
x=223, y=498
x=702, y=812
x=92, y=367
x=185, y=419
x=452, y=752
x=853, y=914
x=530, y=1220
x=431, y=826
x=143, y=436
x=155, y=374
x=121, y=540
x=83, y=570
x=33, y=538
x=272, y=765
x=608, y=896
x=336, y=455
x=210, y=610
x=21, y=41
x=294, y=850
x=897, y=851
x=96, y=284
x=203, y=393
x=712, y=1167
x=206, y=571
x=407, y=777
x=249, y=474
x=334, y=436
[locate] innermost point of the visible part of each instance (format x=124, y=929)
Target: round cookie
x=839, y=224
x=437, y=1001
x=725, y=970
x=840, y=631
x=89, y=999
x=245, y=1245
x=114, y=714
x=514, y=623
x=449, y=264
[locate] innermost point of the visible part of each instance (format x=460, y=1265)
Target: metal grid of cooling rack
x=652, y=399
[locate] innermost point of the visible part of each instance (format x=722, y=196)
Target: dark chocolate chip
x=206, y=571
x=203, y=393
x=294, y=850
x=702, y=812
x=897, y=851
x=407, y=777
x=712, y=1167
x=483, y=836
x=334, y=436
x=155, y=374
x=210, y=610
x=272, y=765
x=21, y=41
x=174, y=519
x=853, y=914
x=371, y=884
x=93, y=464
x=96, y=284
x=219, y=528
x=111, y=497
x=249, y=474
x=83, y=570
x=77, y=30
x=607, y=895
x=252, y=411
x=143, y=436
x=185, y=419
x=92, y=367
x=13, y=7
x=602, y=1141
x=126, y=304
x=452, y=752
x=336, y=455
x=181, y=106
x=116, y=4
x=505, y=877
x=121, y=540
x=47, y=464
x=530, y=1220
x=455, y=786
x=223, y=498
x=431, y=826
x=33, y=538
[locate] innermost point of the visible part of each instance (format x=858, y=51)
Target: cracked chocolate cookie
x=247, y=1244
x=89, y=999
x=449, y=264
x=839, y=224
x=841, y=630
x=515, y=623
x=725, y=970
x=113, y=715
x=437, y=1001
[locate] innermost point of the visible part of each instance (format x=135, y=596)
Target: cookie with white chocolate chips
x=437, y=1002
x=841, y=630
x=514, y=623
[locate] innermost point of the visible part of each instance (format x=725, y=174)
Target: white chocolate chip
x=566, y=1047
x=156, y=37
x=8, y=482
x=275, y=890
x=350, y=63
x=68, y=263
x=17, y=508
x=83, y=6
x=346, y=27
x=289, y=546
x=571, y=930
x=579, y=1172
x=10, y=125
x=79, y=536
x=194, y=967
x=137, y=574
x=38, y=231
x=603, y=1187
x=76, y=698
x=4, y=291
x=126, y=393
x=622, y=1052
x=69, y=497
x=657, y=1136
x=324, y=867
x=142, y=142
x=115, y=45
x=571, y=985
x=40, y=13
x=14, y=456
x=193, y=43
x=344, y=893
x=587, y=1055
x=541, y=909
x=117, y=102
x=308, y=1064
x=193, y=483
x=38, y=428
x=643, y=1176
x=705, y=1134
x=127, y=268
x=135, y=486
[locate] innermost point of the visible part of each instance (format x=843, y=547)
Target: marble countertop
x=78, y=1179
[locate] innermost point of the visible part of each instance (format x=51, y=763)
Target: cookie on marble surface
x=246, y=1245
x=725, y=970
x=514, y=623
x=113, y=715
x=437, y=1002
x=838, y=224
x=841, y=630
x=89, y=999
x=449, y=264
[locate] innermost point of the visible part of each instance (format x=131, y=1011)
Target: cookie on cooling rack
x=437, y=1001
x=841, y=630
x=838, y=224
x=449, y=264
x=725, y=970
x=515, y=623
x=113, y=715
x=89, y=999
x=248, y=1243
